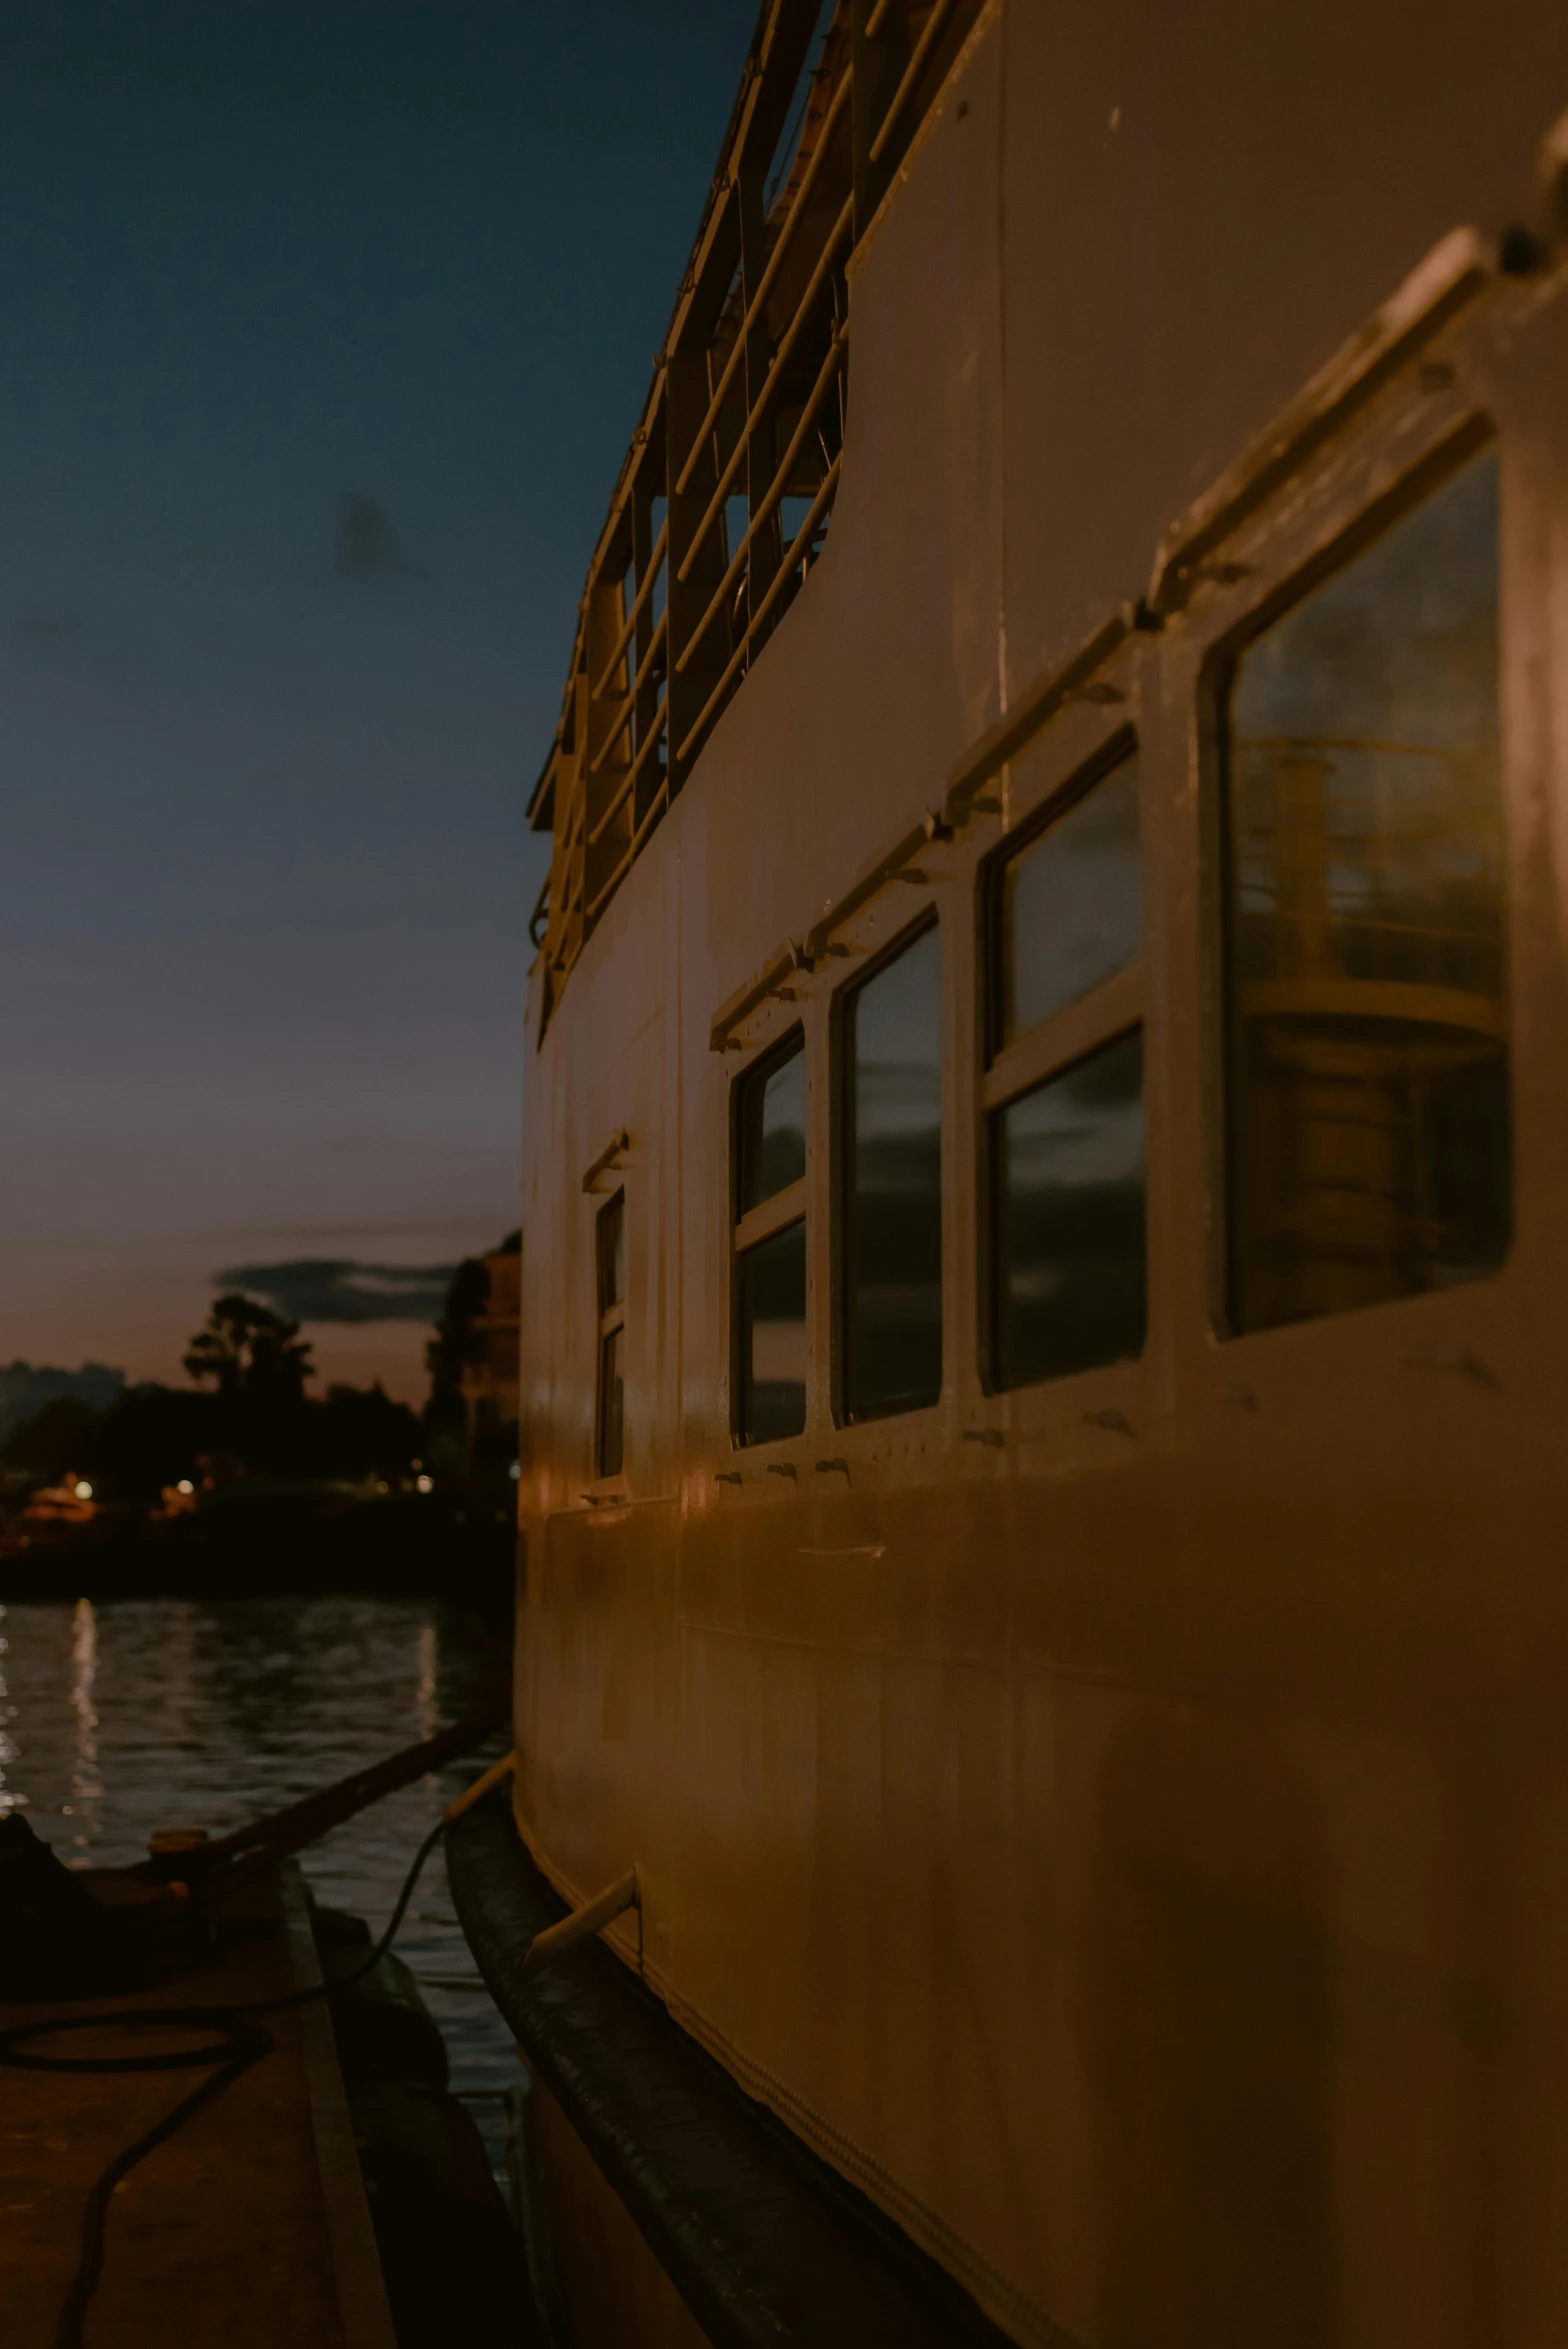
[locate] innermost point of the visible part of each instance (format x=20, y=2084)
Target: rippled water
x=118, y=1719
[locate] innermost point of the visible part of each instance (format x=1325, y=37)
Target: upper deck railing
x=725, y=494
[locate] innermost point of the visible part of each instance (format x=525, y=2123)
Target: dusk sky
x=325, y=326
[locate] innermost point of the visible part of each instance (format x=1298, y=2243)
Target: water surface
x=149, y=1713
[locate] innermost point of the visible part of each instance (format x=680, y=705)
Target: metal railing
x=725, y=496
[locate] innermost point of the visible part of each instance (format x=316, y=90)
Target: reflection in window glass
x=1072, y=905
x=1070, y=1251
x=1369, y=1025
x=612, y=1253
x=612, y=1404
x=772, y=1127
x=773, y=1337
x=893, y=1171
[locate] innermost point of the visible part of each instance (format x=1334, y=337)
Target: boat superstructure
x=1043, y=1527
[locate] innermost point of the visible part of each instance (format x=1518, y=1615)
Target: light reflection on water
x=160, y=1712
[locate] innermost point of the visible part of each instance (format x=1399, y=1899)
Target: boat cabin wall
x=1116, y=1818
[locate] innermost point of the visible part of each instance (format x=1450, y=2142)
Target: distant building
x=490, y=1387
x=25, y=1390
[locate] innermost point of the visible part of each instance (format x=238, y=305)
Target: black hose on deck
x=242, y=2041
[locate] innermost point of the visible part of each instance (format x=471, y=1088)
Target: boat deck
x=250, y=2226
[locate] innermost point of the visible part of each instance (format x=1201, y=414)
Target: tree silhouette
x=247, y=1409
x=251, y=1353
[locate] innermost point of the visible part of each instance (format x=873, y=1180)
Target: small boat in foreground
x=227, y=2110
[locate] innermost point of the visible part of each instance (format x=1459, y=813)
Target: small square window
x=771, y=1123
x=773, y=1336
x=1067, y=1164
x=1071, y=905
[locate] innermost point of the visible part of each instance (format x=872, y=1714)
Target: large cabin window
x=770, y=1246
x=892, y=1231
x=610, y=1415
x=1367, y=988
x=1064, y=1090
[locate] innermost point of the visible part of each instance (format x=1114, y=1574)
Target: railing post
x=606, y=732
x=767, y=547
x=686, y=404
x=876, y=64
x=565, y=935
x=649, y=481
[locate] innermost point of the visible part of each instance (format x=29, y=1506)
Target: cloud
x=49, y=625
x=365, y=548
x=336, y=1288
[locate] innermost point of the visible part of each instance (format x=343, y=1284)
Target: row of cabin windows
x=1066, y=1151
x=1366, y=1038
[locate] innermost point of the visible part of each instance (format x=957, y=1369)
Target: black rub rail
x=764, y=2242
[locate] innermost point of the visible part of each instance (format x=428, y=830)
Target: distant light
x=416, y=1465
x=515, y=1471
x=381, y=1487
x=185, y=1485
x=424, y=1484
x=84, y=1491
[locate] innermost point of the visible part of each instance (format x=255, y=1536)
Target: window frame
x=1053, y=1047
x=749, y=1228
x=927, y=918
x=1383, y=474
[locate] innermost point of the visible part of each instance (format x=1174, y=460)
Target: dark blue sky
x=264, y=878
